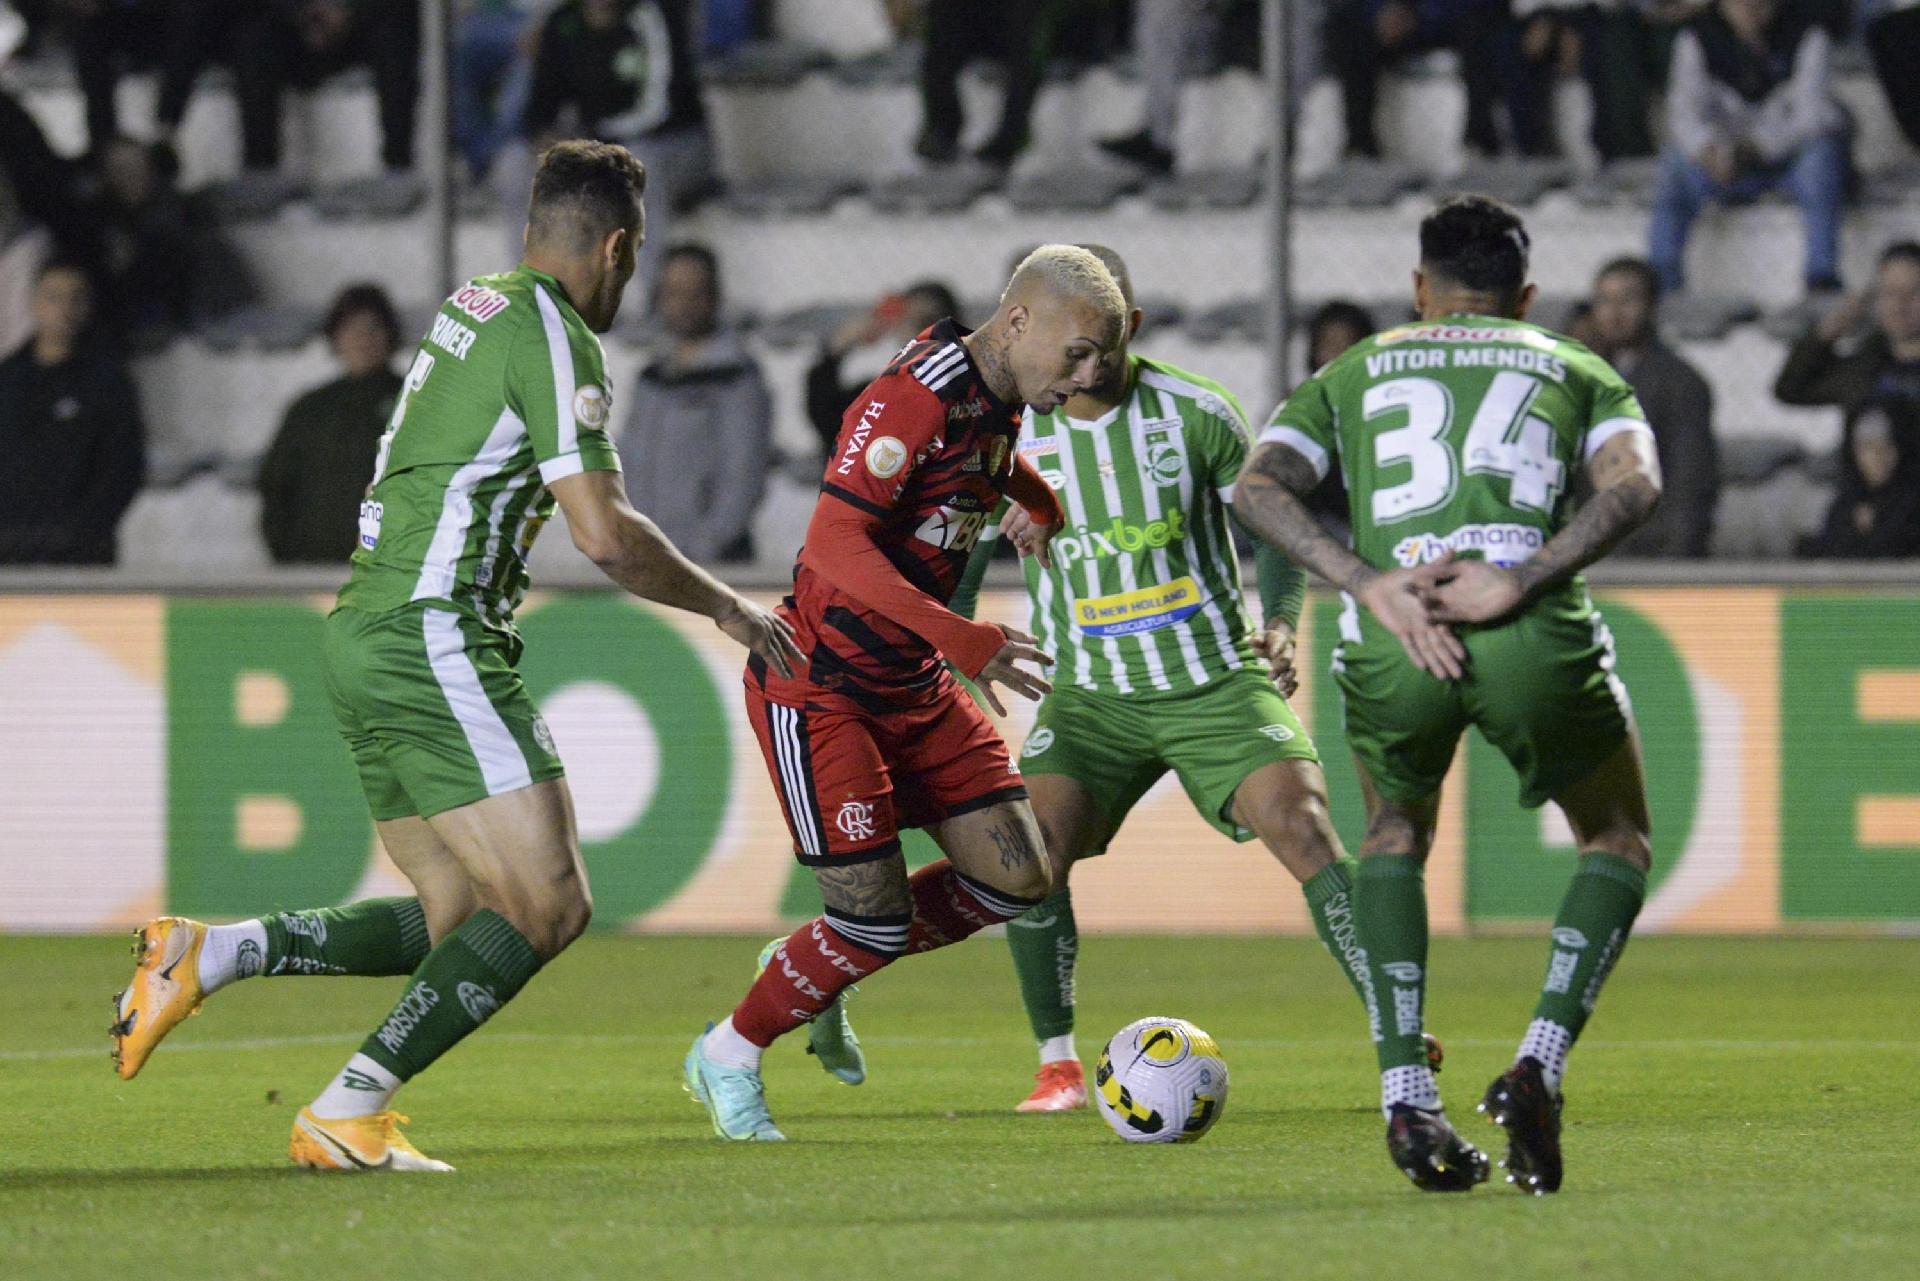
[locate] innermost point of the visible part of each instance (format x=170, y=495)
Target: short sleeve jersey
x=507, y=394
x=1461, y=434
x=1144, y=593
x=926, y=450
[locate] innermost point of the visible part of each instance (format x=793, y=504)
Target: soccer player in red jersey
x=874, y=734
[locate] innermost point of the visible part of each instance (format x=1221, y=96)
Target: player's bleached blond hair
x=1068, y=271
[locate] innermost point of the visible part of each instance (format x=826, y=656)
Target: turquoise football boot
x=733, y=1097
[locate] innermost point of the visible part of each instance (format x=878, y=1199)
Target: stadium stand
x=823, y=207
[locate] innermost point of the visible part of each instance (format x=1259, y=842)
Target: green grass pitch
x=1739, y=1109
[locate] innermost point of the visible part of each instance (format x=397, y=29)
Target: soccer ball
x=1161, y=1081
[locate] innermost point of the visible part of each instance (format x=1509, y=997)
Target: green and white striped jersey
x=507, y=394
x=1144, y=593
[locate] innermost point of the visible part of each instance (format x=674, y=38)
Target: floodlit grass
x=1738, y=1109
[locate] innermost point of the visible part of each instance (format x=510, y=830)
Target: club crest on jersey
x=592, y=407
x=1165, y=462
x=855, y=820
x=886, y=456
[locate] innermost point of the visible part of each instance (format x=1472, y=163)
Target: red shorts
x=850, y=777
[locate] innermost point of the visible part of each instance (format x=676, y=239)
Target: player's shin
x=374, y=937
x=816, y=963
x=1046, y=945
x=1329, y=895
x=949, y=905
x=1390, y=919
x=469, y=975
x=1589, y=934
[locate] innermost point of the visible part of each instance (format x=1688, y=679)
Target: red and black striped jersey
x=923, y=456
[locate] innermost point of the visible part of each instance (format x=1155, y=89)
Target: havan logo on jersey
x=1117, y=539
x=1498, y=544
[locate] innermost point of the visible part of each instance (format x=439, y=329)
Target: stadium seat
x=947, y=190
x=765, y=64
x=260, y=328
x=1206, y=189
x=1357, y=184
x=785, y=197
x=1244, y=319
x=1702, y=317
x=1518, y=181
x=384, y=195
x=1071, y=191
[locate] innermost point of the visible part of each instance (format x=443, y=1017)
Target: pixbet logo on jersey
x=1119, y=538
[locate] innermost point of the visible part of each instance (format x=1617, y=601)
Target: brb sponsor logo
x=1118, y=538
x=1499, y=544
x=855, y=820
x=952, y=530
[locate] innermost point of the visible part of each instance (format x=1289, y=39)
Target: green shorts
x=1118, y=745
x=433, y=710
x=1541, y=688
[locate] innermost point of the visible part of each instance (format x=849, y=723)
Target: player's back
x=1461, y=434
x=506, y=393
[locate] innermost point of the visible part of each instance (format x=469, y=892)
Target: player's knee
x=549, y=918
x=1297, y=829
x=1635, y=847
x=1032, y=880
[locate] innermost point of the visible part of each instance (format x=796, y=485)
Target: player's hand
x=762, y=631
x=1473, y=591
x=1003, y=667
x=1398, y=598
x=1030, y=537
x=1275, y=644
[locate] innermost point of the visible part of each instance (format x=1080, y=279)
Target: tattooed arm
x=1267, y=500
x=1625, y=472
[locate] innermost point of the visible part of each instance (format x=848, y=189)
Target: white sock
x=1410, y=1085
x=362, y=1088
x=1058, y=1049
x=232, y=952
x=1548, y=1042
x=728, y=1048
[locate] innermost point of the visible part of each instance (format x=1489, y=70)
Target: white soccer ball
x=1161, y=1081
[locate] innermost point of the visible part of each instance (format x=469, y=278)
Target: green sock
x=1588, y=936
x=1329, y=894
x=1045, y=944
x=376, y=936
x=1390, y=917
x=466, y=977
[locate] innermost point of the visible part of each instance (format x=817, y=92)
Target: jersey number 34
x=1502, y=440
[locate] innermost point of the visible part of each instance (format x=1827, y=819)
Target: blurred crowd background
x=214, y=235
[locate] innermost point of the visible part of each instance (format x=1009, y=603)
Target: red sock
x=949, y=906
x=805, y=973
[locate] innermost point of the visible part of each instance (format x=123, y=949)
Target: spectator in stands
x=70, y=430
x=320, y=463
x=1885, y=364
x=45, y=188
x=110, y=38
x=1876, y=512
x=1013, y=33
x=1620, y=48
x=1624, y=318
x=1893, y=38
x=1335, y=326
x=622, y=71
x=1750, y=109
x=1364, y=37
x=697, y=444
x=492, y=68
x=1177, y=40
x=892, y=321
x=166, y=263
x=273, y=44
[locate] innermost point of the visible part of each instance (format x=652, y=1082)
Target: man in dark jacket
x=1679, y=404
x=70, y=431
x=697, y=445
x=622, y=71
x=1826, y=368
x=320, y=464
